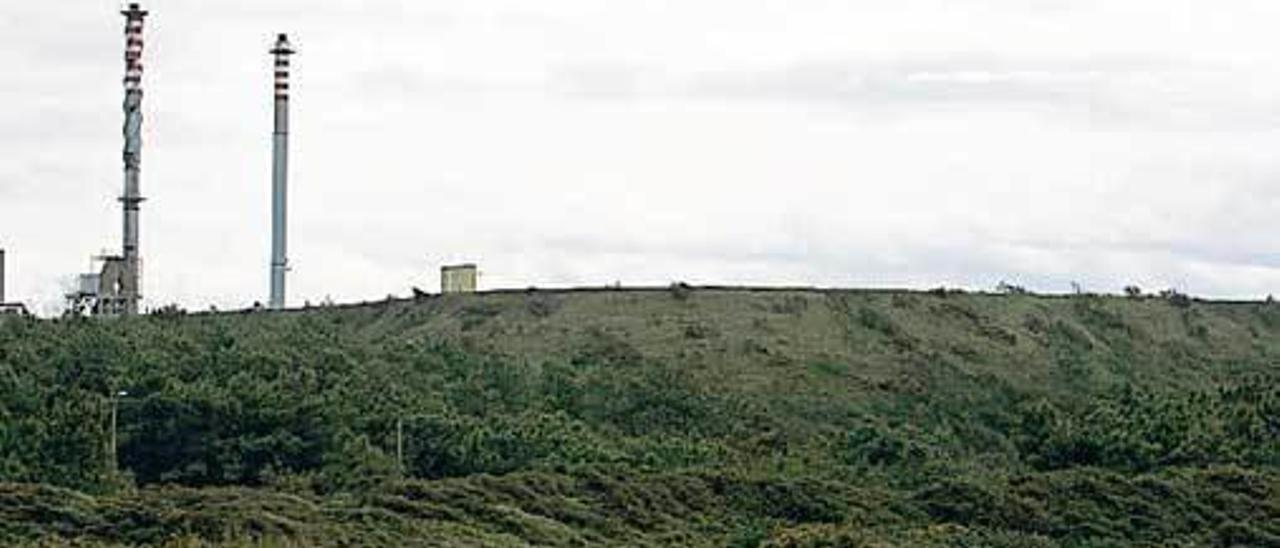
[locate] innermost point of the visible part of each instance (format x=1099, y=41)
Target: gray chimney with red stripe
x=280, y=174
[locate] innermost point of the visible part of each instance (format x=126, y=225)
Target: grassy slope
x=755, y=335
x=787, y=374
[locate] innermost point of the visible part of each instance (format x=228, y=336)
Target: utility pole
x=113, y=441
x=400, y=443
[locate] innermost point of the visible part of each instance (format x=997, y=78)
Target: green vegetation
x=669, y=417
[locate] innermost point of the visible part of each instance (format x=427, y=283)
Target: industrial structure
x=116, y=289
x=459, y=279
x=113, y=285
x=7, y=308
x=280, y=174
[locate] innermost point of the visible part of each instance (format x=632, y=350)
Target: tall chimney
x=280, y=174
x=2, y=301
x=130, y=285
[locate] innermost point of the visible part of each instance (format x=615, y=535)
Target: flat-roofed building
x=8, y=308
x=459, y=279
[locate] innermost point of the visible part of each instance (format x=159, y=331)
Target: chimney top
x=283, y=47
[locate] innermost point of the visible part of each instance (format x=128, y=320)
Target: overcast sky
x=902, y=143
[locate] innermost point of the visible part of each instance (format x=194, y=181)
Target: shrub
x=877, y=321
x=881, y=445
x=681, y=291
x=1006, y=288
x=449, y=445
x=1176, y=298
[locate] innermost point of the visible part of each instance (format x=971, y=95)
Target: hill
x=676, y=416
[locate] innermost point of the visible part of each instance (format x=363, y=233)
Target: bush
x=1006, y=288
x=881, y=445
x=449, y=445
x=1176, y=299
x=1139, y=431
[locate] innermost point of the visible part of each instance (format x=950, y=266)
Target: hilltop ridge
x=681, y=415
x=875, y=332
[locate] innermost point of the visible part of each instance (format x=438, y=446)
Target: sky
x=835, y=143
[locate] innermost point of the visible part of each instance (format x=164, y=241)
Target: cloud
x=1102, y=92
x=907, y=143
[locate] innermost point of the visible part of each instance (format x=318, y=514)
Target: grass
x=1074, y=508
x=675, y=416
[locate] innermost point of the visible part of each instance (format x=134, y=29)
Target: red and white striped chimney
x=280, y=174
x=134, y=18
x=130, y=291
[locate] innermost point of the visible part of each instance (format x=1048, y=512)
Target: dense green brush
x=681, y=417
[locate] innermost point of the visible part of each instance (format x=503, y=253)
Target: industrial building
x=459, y=279
x=113, y=287
x=7, y=308
x=116, y=289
